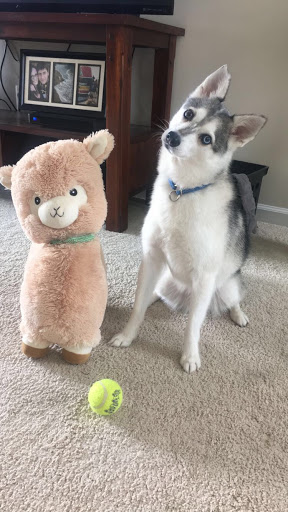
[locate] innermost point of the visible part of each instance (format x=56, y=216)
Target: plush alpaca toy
x=58, y=193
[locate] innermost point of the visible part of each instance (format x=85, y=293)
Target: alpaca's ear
x=6, y=176
x=99, y=145
x=215, y=85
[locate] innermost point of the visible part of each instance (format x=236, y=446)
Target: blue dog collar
x=178, y=192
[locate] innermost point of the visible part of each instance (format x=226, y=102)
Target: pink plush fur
x=64, y=291
x=63, y=295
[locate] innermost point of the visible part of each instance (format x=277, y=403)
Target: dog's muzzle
x=172, y=139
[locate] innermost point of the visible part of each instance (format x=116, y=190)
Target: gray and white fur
x=194, y=248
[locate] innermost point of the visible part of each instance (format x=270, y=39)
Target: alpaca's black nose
x=173, y=139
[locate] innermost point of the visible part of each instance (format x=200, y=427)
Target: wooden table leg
x=118, y=101
x=162, y=83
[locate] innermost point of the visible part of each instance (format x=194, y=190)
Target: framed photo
x=62, y=82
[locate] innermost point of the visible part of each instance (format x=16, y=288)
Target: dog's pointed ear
x=245, y=128
x=214, y=86
x=99, y=145
x=6, y=176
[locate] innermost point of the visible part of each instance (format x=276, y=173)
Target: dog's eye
x=73, y=192
x=37, y=200
x=205, y=139
x=188, y=114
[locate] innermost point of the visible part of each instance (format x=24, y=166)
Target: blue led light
x=34, y=118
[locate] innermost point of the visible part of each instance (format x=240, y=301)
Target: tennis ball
x=105, y=397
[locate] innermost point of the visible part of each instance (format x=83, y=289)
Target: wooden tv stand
x=131, y=166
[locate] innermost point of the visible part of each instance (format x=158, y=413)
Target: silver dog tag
x=176, y=196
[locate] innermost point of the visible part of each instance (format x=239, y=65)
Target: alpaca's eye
x=37, y=200
x=188, y=114
x=205, y=139
x=73, y=192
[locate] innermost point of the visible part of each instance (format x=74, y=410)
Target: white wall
x=251, y=36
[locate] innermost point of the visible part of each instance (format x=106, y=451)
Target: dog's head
x=203, y=133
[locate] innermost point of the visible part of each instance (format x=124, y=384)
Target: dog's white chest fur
x=190, y=232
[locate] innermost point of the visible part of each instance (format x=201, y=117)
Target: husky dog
x=195, y=237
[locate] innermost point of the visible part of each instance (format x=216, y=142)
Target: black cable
x=68, y=47
x=6, y=104
x=17, y=60
x=1, y=80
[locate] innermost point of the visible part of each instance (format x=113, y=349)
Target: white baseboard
x=272, y=214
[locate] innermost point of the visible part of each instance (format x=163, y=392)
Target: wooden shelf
x=89, y=19
x=18, y=122
x=19, y=136
x=131, y=165
x=83, y=28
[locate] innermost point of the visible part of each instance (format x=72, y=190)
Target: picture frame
x=63, y=82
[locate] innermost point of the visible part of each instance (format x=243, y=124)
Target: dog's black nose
x=173, y=139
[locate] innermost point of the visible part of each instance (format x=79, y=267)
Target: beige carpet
x=213, y=441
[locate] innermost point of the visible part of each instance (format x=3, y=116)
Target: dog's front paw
x=190, y=363
x=120, y=340
x=239, y=317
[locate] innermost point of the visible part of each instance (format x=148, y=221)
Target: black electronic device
x=90, y=6
x=66, y=122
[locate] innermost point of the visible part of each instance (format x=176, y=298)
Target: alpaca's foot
x=77, y=355
x=31, y=350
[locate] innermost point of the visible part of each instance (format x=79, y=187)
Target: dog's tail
x=228, y=295
x=217, y=305
x=177, y=296
x=173, y=293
